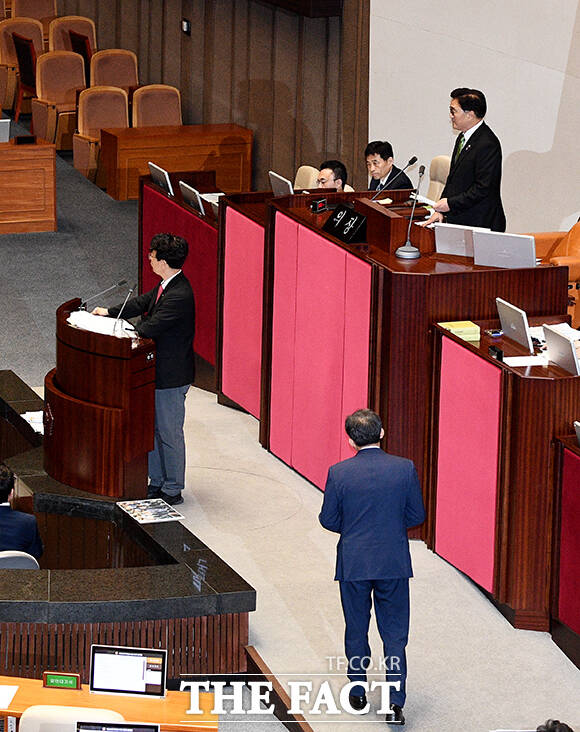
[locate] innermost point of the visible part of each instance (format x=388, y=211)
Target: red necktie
x=159, y=291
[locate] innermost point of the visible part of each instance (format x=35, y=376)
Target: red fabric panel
x=569, y=596
x=242, y=311
x=467, y=467
x=355, y=372
x=283, y=335
x=318, y=372
x=161, y=215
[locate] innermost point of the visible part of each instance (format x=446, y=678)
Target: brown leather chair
x=438, y=172
x=114, y=67
x=59, y=33
x=59, y=76
x=40, y=9
x=156, y=104
x=26, y=55
x=99, y=106
x=563, y=248
x=28, y=28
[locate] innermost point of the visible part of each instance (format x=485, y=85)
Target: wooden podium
x=99, y=410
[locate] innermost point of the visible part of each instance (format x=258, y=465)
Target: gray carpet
x=95, y=246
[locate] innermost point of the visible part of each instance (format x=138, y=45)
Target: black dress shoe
x=396, y=716
x=357, y=702
x=172, y=500
x=153, y=491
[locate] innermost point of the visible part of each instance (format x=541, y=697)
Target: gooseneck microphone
x=83, y=305
x=388, y=183
x=408, y=251
x=123, y=307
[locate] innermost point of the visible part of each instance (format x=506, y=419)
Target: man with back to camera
x=371, y=500
x=332, y=175
x=472, y=195
x=18, y=531
x=379, y=158
x=168, y=317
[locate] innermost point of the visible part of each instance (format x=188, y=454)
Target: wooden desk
x=226, y=148
x=27, y=187
x=493, y=487
x=170, y=712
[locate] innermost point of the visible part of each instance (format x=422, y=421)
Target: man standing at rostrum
x=371, y=500
x=168, y=317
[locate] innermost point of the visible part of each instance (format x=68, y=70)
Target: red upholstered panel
x=468, y=454
x=569, y=597
x=318, y=372
x=242, y=313
x=355, y=372
x=283, y=334
x=161, y=215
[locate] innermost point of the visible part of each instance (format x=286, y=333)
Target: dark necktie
x=460, y=145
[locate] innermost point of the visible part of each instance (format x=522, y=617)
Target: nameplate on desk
x=56, y=680
x=347, y=225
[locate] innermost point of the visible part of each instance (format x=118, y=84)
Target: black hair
x=6, y=482
x=338, y=169
x=379, y=147
x=470, y=100
x=363, y=427
x=554, y=725
x=172, y=249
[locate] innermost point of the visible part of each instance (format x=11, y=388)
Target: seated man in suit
x=472, y=192
x=383, y=174
x=18, y=531
x=332, y=175
x=371, y=500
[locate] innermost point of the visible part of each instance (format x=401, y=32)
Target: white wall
x=525, y=57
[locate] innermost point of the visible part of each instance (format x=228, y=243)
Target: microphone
x=83, y=305
x=408, y=251
x=412, y=161
x=123, y=307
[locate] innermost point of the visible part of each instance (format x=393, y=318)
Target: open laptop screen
x=161, y=177
x=125, y=670
x=514, y=323
x=496, y=249
x=280, y=186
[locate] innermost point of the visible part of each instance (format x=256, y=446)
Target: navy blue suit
x=19, y=532
x=371, y=500
x=402, y=181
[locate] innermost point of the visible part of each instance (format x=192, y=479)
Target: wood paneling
x=300, y=83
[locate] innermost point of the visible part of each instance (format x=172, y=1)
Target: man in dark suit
x=168, y=317
x=472, y=193
x=384, y=175
x=18, y=531
x=371, y=500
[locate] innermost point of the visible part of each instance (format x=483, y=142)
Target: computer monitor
x=161, y=177
x=510, y=251
x=191, y=197
x=562, y=350
x=127, y=670
x=280, y=186
x=514, y=323
x=455, y=239
x=116, y=727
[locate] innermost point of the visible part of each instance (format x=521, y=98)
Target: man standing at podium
x=472, y=192
x=168, y=317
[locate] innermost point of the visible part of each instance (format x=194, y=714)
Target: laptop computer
x=455, y=239
x=514, y=323
x=280, y=186
x=510, y=251
x=562, y=350
x=161, y=177
x=191, y=197
x=128, y=671
x=4, y=130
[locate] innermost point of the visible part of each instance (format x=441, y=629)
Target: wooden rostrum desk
x=493, y=488
x=106, y=579
x=348, y=326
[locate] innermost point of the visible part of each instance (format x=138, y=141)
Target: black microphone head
x=422, y=170
x=121, y=283
x=412, y=161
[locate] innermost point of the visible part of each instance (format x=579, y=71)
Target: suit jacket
x=371, y=500
x=19, y=532
x=473, y=184
x=402, y=181
x=171, y=323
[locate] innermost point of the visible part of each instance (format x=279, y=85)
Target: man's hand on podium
x=100, y=311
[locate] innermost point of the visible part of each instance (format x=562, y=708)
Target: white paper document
x=34, y=419
x=98, y=324
x=6, y=695
x=526, y=361
x=211, y=197
x=566, y=330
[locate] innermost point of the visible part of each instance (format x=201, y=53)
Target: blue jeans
x=167, y=459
